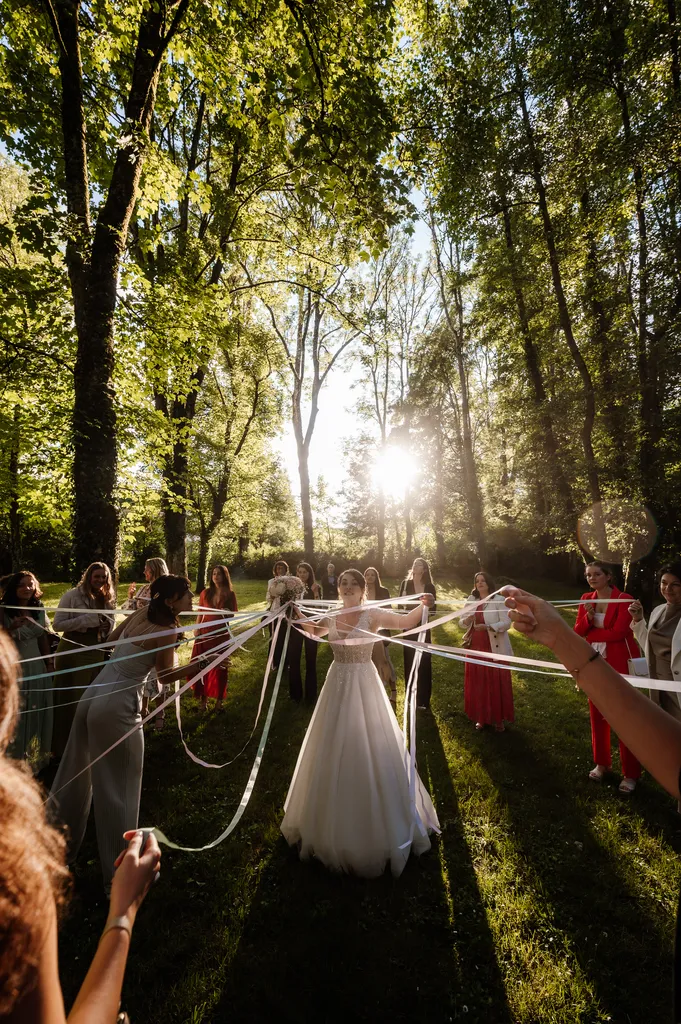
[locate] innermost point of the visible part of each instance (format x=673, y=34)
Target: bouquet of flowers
x=288, y=588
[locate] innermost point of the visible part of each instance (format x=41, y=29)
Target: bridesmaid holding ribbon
x=219, y=595
x=488, y=692
x=607, y=627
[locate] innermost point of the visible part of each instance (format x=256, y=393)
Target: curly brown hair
x=32, y=853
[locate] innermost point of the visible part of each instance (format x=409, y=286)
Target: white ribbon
x=250, y=785
x=207, y=764
x=230, y=648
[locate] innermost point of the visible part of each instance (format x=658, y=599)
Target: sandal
x=500, y=727
x=627, y=786
x=479, y=726
x=596, y=774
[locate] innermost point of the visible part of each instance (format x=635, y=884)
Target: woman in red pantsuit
x=488, y=693
x=220, y=594
x=607, y=627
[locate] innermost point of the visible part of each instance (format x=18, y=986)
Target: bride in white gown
x=349, y=803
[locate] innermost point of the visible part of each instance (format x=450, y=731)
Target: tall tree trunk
x=94, y=274
x=439, y=504
x=408, y=525
x=305, y=503
x=564, y=317
x=455, y=323
x=15, y=531
x=175, y=494
x=380, y=529
x=652, y=472
x=533, y=367
x=204, y=556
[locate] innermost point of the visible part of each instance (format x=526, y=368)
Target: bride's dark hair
x=357, y=577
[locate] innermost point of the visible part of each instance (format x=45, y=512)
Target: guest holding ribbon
x=653, y=737
x=660, y=637
x=607, y=627
x=81, y=628
x=33, y=880
x=213, y=633
x=109, y=710
x=137, y=598
x=419, y=581
x=488, y=691
x=23, y=616
x=280, y=568
x=153, y=568
x=297, y=642
x=379, y=655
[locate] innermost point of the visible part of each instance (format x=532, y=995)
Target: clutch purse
x=467, y=639
x=638, y=667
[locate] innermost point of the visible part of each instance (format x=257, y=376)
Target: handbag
x=638, y=667
x=467, y=639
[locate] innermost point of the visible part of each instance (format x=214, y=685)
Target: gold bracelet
x=575, y=671
x=117, y=922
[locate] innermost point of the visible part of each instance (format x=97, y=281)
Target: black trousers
x=424, y=682
x=296, y=643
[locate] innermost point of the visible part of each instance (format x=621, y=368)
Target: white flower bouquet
x=288, y=588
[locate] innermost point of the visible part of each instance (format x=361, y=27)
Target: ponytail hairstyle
x=163, y=589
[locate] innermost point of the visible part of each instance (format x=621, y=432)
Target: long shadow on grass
x=330, y=948
x=621, y=942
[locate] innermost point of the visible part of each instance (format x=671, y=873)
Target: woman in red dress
x=488, y=693
x=607, y=627
x=220, y=594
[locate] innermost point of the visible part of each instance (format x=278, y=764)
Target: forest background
x=207, y=214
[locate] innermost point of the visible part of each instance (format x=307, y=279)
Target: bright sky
x=336, y=420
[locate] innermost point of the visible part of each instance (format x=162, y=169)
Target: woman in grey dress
x=108, y=709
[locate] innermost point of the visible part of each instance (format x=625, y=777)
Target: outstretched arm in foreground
x=100, y=993
x=652, y=735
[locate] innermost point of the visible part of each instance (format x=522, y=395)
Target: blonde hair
x=157, y=566
x=107, y=590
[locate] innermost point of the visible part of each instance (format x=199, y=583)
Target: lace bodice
x=351, y=653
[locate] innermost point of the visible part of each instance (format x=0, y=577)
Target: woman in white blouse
x=280, y=568
x=81, y=626
x=488, y=693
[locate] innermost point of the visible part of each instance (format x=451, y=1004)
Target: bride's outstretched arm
x=397, y=620
x=317, y=629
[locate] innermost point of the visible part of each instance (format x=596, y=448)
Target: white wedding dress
x=349, y=803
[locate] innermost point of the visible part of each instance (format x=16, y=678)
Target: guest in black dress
x=297, y=642
x=419, y=581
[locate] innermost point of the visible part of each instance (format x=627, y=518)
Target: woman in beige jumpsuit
x=108, y=709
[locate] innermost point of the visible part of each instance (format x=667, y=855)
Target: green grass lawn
x=547, y=898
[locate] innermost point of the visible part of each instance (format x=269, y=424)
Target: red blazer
x=616, y=631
